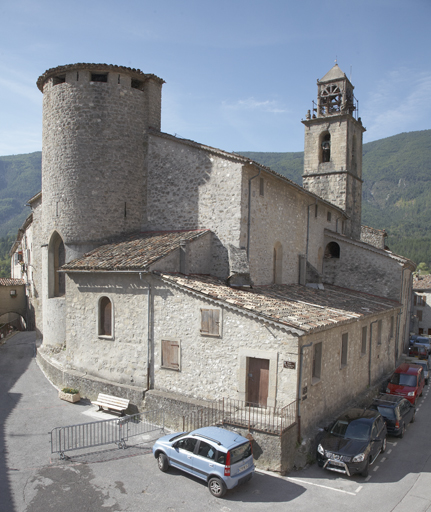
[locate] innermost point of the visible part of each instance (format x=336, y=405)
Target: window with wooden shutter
x=210, y=322
x=171, y=354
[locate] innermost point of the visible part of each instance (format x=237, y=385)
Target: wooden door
x=257, y=381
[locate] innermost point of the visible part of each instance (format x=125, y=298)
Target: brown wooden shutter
x=210, y=322
x=170, y=354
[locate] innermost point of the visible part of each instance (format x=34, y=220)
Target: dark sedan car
x=396, y=411
x=353, y=442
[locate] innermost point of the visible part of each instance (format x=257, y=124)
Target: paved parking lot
x=109, y=479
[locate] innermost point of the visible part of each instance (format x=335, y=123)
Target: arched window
x=105, y=317
x=332, y=250
x=325, y=147
x=56, y=259
x=278, y=264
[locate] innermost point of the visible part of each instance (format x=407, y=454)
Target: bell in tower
x=333, y=148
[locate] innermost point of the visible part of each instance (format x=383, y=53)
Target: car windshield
x=386, y=412
x=403, y=379
x=356, y=429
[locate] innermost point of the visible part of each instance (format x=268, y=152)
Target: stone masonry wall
x=93, y=176
x=338, y=385
x=280, y=215
x=190, y=188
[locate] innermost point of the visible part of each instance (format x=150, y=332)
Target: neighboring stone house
x=174, y=272
x=421, y=311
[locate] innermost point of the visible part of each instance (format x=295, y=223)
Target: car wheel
x=216, y=487
x=413, y=418
x=365, y=471
x=162, y=462
x=403, y=431
x=384, y=445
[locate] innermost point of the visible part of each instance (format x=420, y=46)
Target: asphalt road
x=109, y=479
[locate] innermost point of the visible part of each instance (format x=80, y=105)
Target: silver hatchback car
x=222, y=458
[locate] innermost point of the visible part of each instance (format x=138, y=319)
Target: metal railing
x=273, y=420
x=98, y=433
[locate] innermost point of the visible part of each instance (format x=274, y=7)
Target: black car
x=353, y=442
x=396, y=411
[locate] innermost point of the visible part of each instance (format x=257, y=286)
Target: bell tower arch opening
x=56, y=259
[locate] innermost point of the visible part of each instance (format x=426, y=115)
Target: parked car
x=419, y=350
x=425, y=341
x=353, y=442
x=396, y=411
x=425, y=363
x=222, y=458
x=407, y=381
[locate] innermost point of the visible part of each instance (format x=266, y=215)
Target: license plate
x=243, y=468
x=336, y=463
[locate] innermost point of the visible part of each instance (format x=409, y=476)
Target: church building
x=181, y=276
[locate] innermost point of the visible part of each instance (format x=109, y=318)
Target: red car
x=407, y=381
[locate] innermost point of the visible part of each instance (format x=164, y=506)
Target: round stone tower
x=95, y=121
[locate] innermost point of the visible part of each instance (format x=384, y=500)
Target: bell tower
x=333, y=148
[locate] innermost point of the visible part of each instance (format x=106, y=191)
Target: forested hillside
x=396, y=190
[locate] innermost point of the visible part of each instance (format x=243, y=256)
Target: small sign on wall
x=291, y=365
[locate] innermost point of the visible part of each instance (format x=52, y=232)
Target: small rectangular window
x=344, y=348
x=210, y=322
x=57, y=80
x=419, y=315
x=137, y=84
x=379, y=332
x=328, y=216
x=99, y=77
x=171, y=354
x=364, y=340
x=317, y=361
x=262, y=187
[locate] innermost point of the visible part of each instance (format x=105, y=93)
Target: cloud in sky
x=270, y=106
x=401, y=104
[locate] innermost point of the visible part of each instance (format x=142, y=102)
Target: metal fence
x=98, y=433
x=273, y=420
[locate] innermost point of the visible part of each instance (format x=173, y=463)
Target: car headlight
x=321, y=450
x=359, y=458
x=411, y=393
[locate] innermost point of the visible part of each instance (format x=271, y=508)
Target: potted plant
x=70, y=395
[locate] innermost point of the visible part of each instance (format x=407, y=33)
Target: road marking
x=368, y=477
x=389, y=451
x=359, y=488
x=322, y=486
x=376, y=468
x=383, y=459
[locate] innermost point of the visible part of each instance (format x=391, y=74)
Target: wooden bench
x=112, y=403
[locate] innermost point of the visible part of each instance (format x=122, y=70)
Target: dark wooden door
x=257, y=381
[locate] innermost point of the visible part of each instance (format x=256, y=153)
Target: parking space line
x=389, y=451
x=376, y=468
x=383, y=459
x=358, y=489
x=319, y=485
x=368, y=478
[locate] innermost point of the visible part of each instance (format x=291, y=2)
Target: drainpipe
x=149, y=330
x=300, y=388
x=249, y=213
x=369, y=361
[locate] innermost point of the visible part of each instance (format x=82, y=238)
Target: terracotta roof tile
x=136, y=251
x=422, y=282
x=297, y=306
x=8, y=281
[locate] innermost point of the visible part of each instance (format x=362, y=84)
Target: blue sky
x=240, y=75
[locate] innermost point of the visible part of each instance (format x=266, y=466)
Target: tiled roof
x=133, y=252
x=8, y=281
x=298, y=307
x=422, y=282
